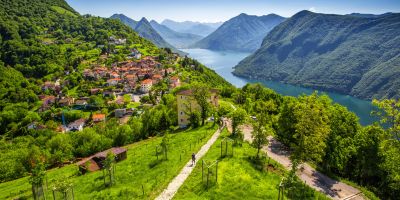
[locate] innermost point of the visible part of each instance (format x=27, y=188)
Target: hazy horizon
x=222, y=10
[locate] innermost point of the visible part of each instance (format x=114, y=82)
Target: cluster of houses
x=131, y=75
x=129, y=78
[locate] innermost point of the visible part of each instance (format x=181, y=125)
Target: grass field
x=238, y=178
x=141, y=168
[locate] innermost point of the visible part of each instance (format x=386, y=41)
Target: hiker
x=193, y=158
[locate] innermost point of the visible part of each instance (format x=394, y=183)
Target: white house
x=77, y=125
x=145, y=86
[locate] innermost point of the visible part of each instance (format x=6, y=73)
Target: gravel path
x=176, y=183
x=332, y=188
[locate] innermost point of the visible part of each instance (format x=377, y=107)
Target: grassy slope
x=140, y=168
x=237, y=178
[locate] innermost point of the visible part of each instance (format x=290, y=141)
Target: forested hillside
x=343, y=53
x=47, y=49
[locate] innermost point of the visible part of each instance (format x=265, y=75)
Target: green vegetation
x=140, y=168
x=322, y=50
x=239, y=177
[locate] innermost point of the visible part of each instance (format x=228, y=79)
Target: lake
x=222, y=62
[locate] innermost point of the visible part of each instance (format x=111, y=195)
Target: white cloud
x=312, y=9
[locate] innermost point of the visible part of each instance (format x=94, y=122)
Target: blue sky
x=222, y=10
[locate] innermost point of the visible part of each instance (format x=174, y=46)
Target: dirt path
x=176, y=183
x=332, y=188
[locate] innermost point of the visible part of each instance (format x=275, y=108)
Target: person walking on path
x=193, y=159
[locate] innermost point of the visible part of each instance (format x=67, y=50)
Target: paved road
x=177, y=182
x=332, y=188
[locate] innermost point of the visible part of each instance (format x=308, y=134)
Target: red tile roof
x=147, y=81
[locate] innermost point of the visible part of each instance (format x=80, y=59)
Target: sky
x=222, y=10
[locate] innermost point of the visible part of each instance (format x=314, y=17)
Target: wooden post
x=142, y=190
x=54, y=195
x=216, y=173
x=226, y=147
x=232, y=148
x=202, y=171
x=279, y=193
x=221, y=148
x=157, y=152
x=73, y=195
x=208, y=175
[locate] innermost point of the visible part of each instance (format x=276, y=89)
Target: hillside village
x=120, y=85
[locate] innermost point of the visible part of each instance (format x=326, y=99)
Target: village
x=123, y=86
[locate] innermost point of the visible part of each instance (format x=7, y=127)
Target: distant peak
x=144, y=20
x=302, y=13
x=243, y=15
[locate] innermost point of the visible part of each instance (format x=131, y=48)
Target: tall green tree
x=390, y=115
x=201, y=94
x=311, y=129
x=340, y=144
x=238, y=117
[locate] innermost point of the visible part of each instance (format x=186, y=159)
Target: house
x=77, y=125
x=145, y=86
x=48, y=86
x=186, y=103
x=109, y=94
x=48, y=100
x=114, y=75
x=119, y=113
x=98, y=118
x=174, y=82
x=95, y=91
x=156, y=78
x=95, y=162
x=67, y=101
x=35, y=126
x=113, y=81
x=81, y=102
x=131, y=77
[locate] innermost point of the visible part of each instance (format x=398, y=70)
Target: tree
x=260, y=136
x=390, y=115
x=60, y=147
x=238, y=118
x=311, y=129
x=201, y=94
x=194, y=119
x=36, y=180
x=340, y=143
x=108, y=166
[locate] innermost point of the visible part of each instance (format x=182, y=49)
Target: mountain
x=369, y=15
x=197, y=28
x=144, y=28
x=241, y=33
x=348, y=54
x=179, y=40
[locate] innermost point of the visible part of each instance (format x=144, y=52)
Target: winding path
x=320, y=182
x=176, y=183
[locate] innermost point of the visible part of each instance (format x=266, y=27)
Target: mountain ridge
x=241, y=33
x=198, y=28
x=321, y=50
x=144, y=28
x=177, y=39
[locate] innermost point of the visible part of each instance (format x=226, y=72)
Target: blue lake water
x=223, y=62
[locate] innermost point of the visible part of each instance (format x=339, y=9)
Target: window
x=181, y=113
